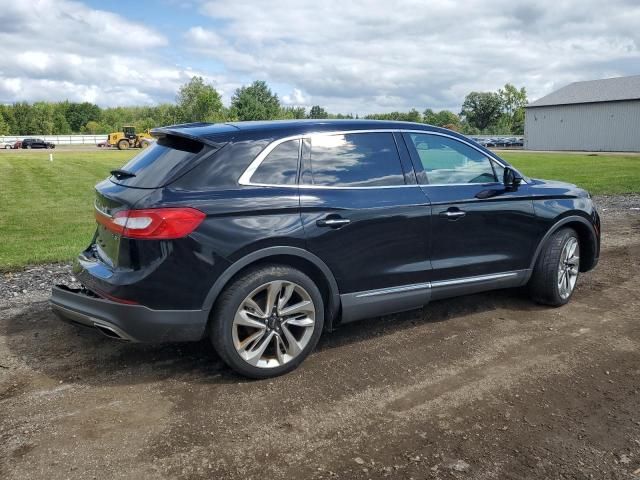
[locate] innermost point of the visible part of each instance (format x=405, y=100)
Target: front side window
x=280, y=166
x=355, y=160
x=448, y=161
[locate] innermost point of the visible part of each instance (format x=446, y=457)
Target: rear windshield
x=162, y=162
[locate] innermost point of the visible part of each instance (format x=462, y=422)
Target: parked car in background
x=6, y=145
x=103, y=144
x=262, y=235
x=36, y=143
x=17, y=144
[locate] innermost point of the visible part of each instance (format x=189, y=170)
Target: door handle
x=333, y=222
x=453, y=214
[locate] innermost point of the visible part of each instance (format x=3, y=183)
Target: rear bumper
x=134, y=323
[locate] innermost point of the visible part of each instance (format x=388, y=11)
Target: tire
x=123, y=145
x=7, y=147
x=556, y=272
x=144, y=144
x=28, y=147
x=258, y=358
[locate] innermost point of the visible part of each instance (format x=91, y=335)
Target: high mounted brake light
x=153, y=223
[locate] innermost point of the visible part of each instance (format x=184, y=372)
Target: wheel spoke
x=273, y=290
x=574, y=260
x=300, y=322
x=251, y=339
x=243, y=317
x=306, y=306
x=279, y=353
x=254, y=355
x=251, y=303
x=293, y=347
x=285, y=296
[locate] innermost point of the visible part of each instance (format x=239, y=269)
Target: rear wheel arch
x=586, y=237
x=293, y=257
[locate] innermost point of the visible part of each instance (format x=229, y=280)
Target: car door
x=365, y=216
x=480, y=230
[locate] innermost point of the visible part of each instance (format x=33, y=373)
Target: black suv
x=36, y=143
x=261, y=235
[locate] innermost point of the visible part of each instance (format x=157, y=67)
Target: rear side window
x=162, y=162
x=355, y=160
x=447, y=161
x=280, y=167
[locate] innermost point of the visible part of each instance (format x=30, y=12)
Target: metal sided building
x=597, y=115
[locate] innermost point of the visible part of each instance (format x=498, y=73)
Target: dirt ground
x=485, y=386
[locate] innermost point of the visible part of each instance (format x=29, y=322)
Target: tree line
x=500, y=112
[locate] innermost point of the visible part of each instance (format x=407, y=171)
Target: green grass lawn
x=600, y=174
x=46, y=208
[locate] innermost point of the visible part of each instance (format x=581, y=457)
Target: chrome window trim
x=245, y=178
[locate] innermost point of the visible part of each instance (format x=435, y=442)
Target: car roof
x=283, y=128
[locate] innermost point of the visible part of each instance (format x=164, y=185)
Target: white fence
x=59, y=139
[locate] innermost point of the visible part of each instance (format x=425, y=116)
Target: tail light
x=153, y=223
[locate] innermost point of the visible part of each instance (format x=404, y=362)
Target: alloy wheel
x=273, y=324
x=568, y=267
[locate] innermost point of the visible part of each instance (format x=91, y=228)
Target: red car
x=18, y=144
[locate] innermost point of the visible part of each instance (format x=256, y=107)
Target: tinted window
x=359, y=159
x=162, y=162
x=448, y=161
x=280, y=167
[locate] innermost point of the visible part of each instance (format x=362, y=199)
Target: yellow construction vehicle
x=128, y=138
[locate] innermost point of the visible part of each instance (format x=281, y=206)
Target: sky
x=348, y=56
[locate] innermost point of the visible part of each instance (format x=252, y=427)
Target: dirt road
x=486, y=386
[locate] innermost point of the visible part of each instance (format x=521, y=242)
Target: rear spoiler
x=183, y=131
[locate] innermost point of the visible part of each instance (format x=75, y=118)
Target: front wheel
x=556, y=272
x=267, y=321
x=123, y=145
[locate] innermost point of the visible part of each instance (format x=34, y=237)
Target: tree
x=199, y=102
x=92, y=127
x=4, y=127
x=482, y=109
x=443, y=118
x=513, y=103
x=291, y=113
x=78, y=114
x=255, y=102
x=318, y=112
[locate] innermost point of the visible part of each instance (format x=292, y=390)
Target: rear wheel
x=557, y=268
x=28, y=147
x=144, y=144
x=123, y=145
x=267, y=321
x=7, y=147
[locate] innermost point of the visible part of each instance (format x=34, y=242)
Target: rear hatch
x=158, y=165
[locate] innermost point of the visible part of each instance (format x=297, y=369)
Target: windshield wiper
x=121, y=174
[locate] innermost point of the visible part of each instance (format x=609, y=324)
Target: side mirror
x=511, y=179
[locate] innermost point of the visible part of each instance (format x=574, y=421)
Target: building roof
x=592, y=91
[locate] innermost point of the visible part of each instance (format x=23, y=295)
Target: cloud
x=296, y=97
x=56, y=50
x=350, y=57
x=368, y=56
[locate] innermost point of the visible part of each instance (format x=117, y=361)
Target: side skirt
x=373, y=303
